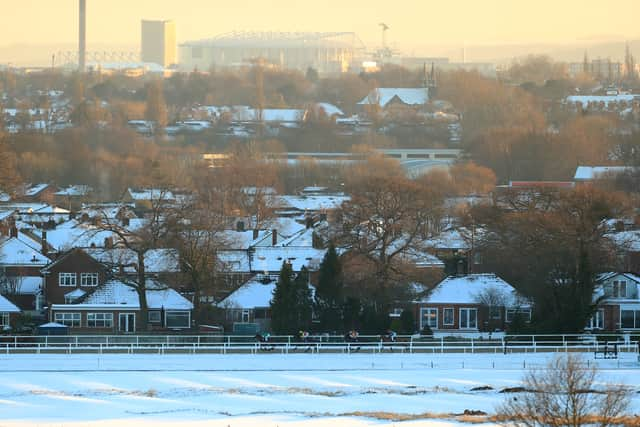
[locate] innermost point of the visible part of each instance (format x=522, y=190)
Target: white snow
x=15, y=252
x=117, y=295
x=382, y=96
x=468, y=289
x=587, y=173
x=7, y=306
x=264, y=389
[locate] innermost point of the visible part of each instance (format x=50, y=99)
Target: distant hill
x=505, y=53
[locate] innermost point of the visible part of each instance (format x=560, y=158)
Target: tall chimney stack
x=82, y=36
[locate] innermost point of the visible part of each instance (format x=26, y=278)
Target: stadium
x=325, y=52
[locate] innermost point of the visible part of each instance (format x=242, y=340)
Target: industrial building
x=159, y=42
x=325, y=52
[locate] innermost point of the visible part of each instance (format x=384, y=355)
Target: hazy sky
x=412, y=22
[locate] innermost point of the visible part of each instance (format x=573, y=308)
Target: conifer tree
x=281, y=304
x=302, y=302
x=291, y=306
x=329, y=292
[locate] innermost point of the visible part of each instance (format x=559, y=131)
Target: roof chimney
x=13, y=231
x=274, y=237
x=45, y=245
x=256, y=233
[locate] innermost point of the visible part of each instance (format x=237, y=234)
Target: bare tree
x=384, y=226
x=139, y=241
x=564, y=393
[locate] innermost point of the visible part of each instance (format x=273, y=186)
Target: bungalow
x=470, y=303
x=618, y=300
x=248, y=308
x=8, y=313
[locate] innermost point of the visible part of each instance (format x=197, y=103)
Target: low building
x=471, y=303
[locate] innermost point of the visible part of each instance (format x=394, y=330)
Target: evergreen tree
x=281, y=304
x=329, y=292
x=291, y=306
x=303, y=302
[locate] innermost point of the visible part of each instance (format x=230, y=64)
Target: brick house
x=470, y=303
x=21, y=262
x=82, y=294
x=114, y=308
x=8, y=313
x=618, y=303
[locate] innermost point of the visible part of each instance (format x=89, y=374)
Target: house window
x=66, y=279
x=246, y=316
x=71, y=320
x=4, y=320
x=525, y=313
x=100, y=320
x=619, y=289
x=630, y=319
x=178, y=319
x=89, y=279
x=447, y=316
x=468, y=318
x=495, y=312
x=429, y=317
x=597, y=320
x=154, y=316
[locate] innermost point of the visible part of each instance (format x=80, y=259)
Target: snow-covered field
x=264, y=389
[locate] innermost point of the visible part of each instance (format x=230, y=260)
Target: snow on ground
x=263, y=389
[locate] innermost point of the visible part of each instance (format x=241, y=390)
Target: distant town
x=288, y=183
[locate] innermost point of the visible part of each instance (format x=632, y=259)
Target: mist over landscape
x=285, y=213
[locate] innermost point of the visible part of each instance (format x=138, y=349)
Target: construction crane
x=384, y=27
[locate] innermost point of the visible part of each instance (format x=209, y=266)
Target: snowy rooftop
x=155, y=260
x=14, y=251
x=34, y=189
x=382, y=96
x=467, y=290
x=74, y=191
x=269, y=115
x=119, y=295
x=311, y=203
x=7, y=306
x=450, y=239
x=586, y=173
x=270, y=259
x=150, y=194
x=255, y=293
x=626, y=240
x=329, y=109
x=80, y=237
x=607, y=99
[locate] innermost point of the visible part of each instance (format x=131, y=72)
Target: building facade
x=159, y=42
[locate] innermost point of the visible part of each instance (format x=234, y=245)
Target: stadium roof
x=281, y=39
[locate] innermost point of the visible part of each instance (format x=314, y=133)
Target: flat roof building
x=159, y=42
